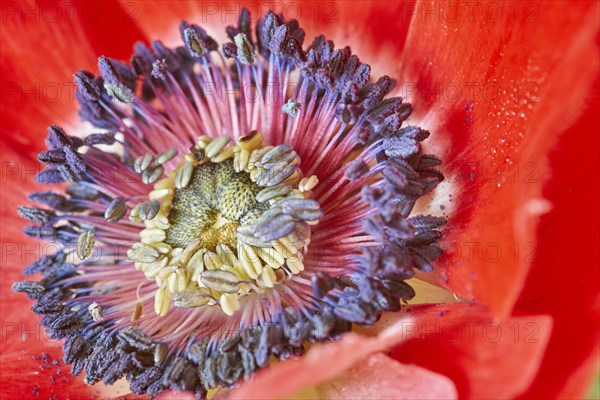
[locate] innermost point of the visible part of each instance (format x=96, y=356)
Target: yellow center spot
x=225, y=234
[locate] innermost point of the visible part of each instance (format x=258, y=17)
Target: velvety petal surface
x=31, y=375
x=383, y=378
x=484, y=358
x=564, y=281
x=497, y=89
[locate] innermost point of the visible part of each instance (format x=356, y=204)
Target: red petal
x=170, y=395
x=110, y=27
x=43, y=44
x=496, y=90
x=159, y=20
x=324, y=362
x=565, y=280
x=26, y=375
x=484, y=358
x=383, y=378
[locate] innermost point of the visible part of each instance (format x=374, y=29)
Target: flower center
x=227, y=222
x=212, y=206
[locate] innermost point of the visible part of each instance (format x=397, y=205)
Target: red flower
x=510, y=93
